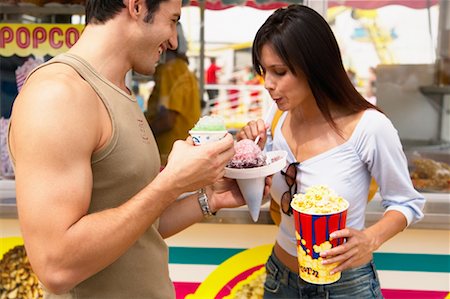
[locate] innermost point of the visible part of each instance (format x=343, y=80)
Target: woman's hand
x=254, y=129
x=356, y=251
x=360, y=245
x=225, y=193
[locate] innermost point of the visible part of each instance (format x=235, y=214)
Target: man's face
x=157, y=36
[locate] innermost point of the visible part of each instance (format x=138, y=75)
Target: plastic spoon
x=266, y=119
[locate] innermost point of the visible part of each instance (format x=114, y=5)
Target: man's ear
x=135, y=8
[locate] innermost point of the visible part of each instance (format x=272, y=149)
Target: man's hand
x=190, y=167
x=226, y=194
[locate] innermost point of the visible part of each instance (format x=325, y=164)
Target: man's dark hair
x=100, y=11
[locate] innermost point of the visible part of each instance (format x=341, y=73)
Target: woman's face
x=289, y=91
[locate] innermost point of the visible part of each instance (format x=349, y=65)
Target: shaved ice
x=210, y=123
x=248, y=155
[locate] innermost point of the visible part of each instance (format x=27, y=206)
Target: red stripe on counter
x=182, y=289
x=409, y=294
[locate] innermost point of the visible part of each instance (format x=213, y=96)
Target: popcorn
x=317, y=213
x=319, y=200
x=250, y=288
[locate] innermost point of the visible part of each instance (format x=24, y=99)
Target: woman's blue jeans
x=361, y=282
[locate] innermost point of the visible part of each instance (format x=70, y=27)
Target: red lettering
x=6, y=36
x=72, y=36
x=39, y=36
x=55, y=33
x=23, y=37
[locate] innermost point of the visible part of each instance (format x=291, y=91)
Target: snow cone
x=317, y=213
x=249, y=155
x=208, y=129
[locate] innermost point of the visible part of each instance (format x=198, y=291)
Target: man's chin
x=146, y=72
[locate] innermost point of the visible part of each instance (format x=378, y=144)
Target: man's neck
x=98, y=48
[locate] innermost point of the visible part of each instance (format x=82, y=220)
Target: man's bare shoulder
x=56, y=91
x=56, y=81
x=57, y=97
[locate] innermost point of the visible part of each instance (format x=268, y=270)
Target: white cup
x=203, y=137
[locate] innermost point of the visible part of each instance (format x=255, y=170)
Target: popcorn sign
x=37, y=39
x=317, y=214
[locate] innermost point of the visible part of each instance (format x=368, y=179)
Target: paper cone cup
x=251, y=181
x=252, y=190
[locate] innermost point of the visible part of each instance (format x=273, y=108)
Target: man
x=176, y=99
x=92, y=205
x=211, y=78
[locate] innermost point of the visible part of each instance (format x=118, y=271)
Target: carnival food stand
x=223, y=257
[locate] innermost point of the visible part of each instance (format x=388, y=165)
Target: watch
x=203, y=202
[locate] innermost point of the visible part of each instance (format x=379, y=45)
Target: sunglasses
x=291, y=180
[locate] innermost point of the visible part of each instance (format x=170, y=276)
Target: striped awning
x=372, y=4
x=264, y=4
x=258, y=4
x=273, y=4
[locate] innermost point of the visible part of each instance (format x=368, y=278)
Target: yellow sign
x=37, y=39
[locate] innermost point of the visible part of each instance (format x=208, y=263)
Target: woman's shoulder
x=375, y=121
x=373, y=125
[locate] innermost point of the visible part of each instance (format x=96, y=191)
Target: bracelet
x=203, y=202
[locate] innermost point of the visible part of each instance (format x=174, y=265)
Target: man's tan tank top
x=120, y=170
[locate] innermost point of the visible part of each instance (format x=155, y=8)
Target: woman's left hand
x=356, y=251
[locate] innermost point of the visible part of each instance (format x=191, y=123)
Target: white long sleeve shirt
x=373, y=150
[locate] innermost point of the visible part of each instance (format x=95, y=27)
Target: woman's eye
x=280, y=73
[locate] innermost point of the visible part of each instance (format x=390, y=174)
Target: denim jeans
x=361, y=282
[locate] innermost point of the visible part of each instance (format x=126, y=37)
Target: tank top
x=121, y=169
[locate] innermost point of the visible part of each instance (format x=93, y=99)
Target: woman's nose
x=268, y=83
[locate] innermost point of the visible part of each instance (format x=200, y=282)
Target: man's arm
x=224, y=193
x=54, y=133
x=53, y=136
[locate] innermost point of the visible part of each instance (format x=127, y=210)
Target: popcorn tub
x=312, y=231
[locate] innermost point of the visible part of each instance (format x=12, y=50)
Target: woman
x=333, y=137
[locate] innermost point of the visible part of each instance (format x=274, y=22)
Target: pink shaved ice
x=248, y=155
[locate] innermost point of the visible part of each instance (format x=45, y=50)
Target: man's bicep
x=53, y=173
x=51, y=198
